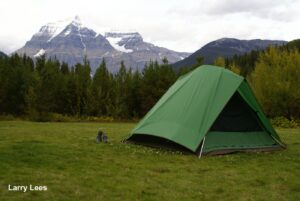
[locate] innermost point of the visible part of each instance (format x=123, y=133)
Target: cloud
x=236, y=6
x=182, y=25
x=285, y=10
x=10, y=43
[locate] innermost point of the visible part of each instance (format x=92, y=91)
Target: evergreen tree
x=72, y=94
x=47, y=92
x=15, y=80
x=40, y=63
x=83, y=87
x=135, y=95
x=64, y=68
x=156, y=80
x=101, y=89
x=122, y=83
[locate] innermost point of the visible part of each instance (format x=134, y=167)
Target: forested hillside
x=39, y=88
x=246, y=62
x=225, y=47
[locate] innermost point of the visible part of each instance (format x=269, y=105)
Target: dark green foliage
x=293, y=44
x=135, y=104
x=246, y=62
x=121, y=87
x=282, y=122
x=16, y=76
x=65, y=68
x=101, y=91
x=156, y=80
x=83, y=85
x=43, y=88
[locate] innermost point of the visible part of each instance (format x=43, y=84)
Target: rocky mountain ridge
x=69, y=41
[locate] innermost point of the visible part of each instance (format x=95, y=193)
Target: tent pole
x=202, y=147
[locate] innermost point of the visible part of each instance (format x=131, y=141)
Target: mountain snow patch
x=40, y=53
x=84, y=46
x=56, y=28
x=114, y=41
x=67, y=32
x=53, y=29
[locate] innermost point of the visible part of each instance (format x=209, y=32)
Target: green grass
x=65, y=158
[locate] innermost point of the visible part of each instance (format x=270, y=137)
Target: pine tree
x=122, y=82
x=64, y=68
x=135, y=95
x=101, y=90
x=47, y=93
x=83, y=87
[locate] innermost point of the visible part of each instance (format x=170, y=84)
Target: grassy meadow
x=65, y=158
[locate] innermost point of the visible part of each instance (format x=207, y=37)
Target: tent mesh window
x=237, y=116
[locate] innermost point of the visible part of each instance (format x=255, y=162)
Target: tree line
x=37, y=88
x=246, y=63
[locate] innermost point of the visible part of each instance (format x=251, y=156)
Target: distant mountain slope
x=70, y=41
x=2, y=54
x=293, y=44
x=225, y=47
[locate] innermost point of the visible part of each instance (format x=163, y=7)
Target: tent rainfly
x=208, y=111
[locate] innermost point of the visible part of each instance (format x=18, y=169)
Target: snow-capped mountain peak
x=52, y=29
x=69, y=41
x=77, y=21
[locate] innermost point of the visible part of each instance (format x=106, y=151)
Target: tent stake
x=202, y=147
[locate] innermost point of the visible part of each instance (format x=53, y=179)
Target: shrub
x=8, y=117
x=283, y=122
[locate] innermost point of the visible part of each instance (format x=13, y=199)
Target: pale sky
x=181, y=25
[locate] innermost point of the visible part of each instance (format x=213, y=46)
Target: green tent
x=210, y=110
